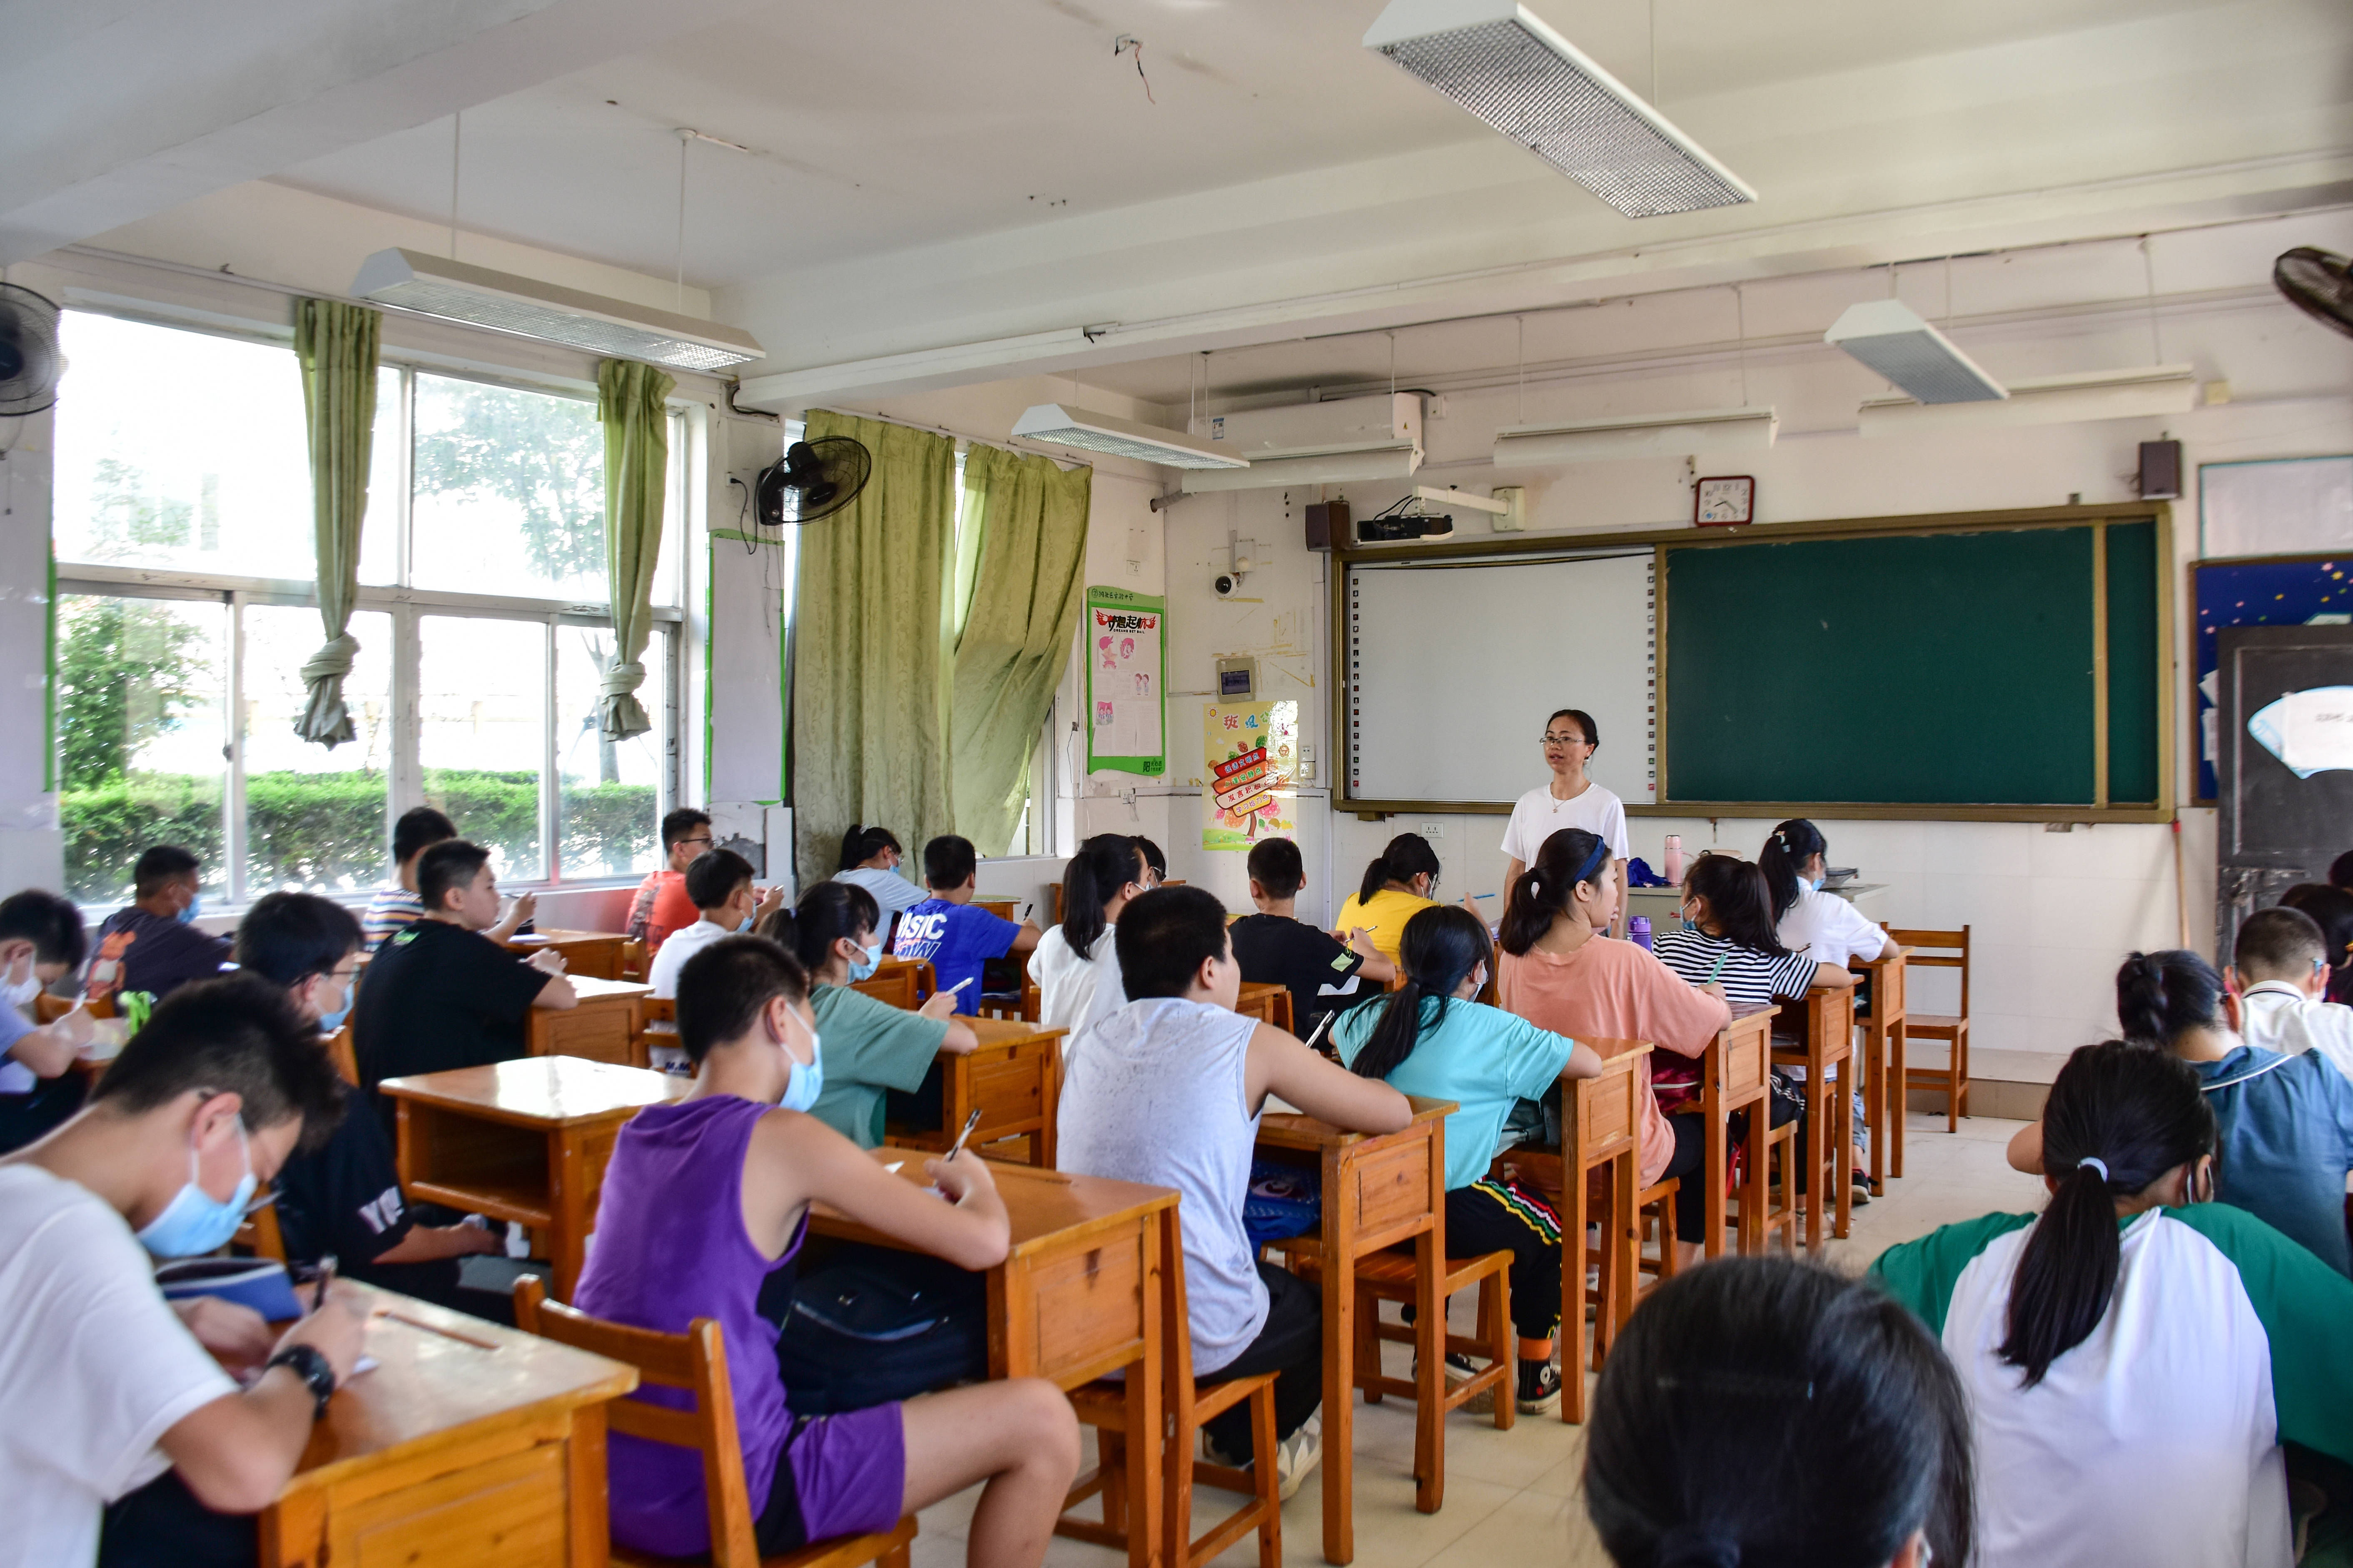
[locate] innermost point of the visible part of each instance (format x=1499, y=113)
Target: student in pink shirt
x=1560, y=973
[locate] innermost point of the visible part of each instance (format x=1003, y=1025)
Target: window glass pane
x=142, y=709
x=482, y=694
x=380, y=533
x=180, y=450
x=509, y=495
x=314, y=816
x=674, y=519
x=611, y=790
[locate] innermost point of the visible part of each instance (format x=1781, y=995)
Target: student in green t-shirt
x=871, y=1049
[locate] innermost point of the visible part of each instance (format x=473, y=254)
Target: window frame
x=407, y=608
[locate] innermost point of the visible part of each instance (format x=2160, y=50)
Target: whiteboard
x=2284, y=506
x=1453, y=667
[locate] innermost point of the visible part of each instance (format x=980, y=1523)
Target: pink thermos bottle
x=1673, y=869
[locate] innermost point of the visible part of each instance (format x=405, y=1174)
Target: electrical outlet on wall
x=1434, y=830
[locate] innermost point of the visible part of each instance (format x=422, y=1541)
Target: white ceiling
x=890, y=124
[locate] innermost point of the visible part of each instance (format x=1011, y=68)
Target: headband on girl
x=1592, y=861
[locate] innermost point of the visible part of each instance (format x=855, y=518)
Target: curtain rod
x=1002, y=443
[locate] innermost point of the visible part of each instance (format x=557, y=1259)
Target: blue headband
x=1593, y=862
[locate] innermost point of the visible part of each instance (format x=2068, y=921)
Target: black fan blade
x=2320, y=283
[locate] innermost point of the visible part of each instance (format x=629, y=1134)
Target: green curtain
x=871, y=629
x=1021, y=557
x=637, y=472
x=336, y=344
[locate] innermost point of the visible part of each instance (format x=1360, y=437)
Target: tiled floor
x=1513, y=1496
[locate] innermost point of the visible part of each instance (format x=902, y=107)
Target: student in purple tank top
x=704, y=1199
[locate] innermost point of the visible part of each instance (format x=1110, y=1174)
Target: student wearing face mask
x=343, y=1198
x=109, y=1395
x=874, y=1052
x=41, y=941
x=720, y=884
x=1811, y=922
x=1398, y=885
x=706, y=1198
x=870, y=858
x=153, y=943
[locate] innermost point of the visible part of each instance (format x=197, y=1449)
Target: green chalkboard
x=1953, y=668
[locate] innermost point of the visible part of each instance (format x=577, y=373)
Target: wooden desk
x=1825, y=1023
x=594, y=953
x=603, y=1027
x=1265, y=999
x=926, y=982
x=524, y=1141
x=1079, y=1296
x=1600, y=1130
x=1734, y=1073
x=1882, y=1066
x=470, y=1446
x=1013, y=1079
x=1378, y=1190
x=1003, y=909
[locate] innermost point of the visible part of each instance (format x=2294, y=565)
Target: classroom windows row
x=175, y=724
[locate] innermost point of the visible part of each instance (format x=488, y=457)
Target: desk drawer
x=503, y=1513
x=1089, y=1305
x=1392, y=1189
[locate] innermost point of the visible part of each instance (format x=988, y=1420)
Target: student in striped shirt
x=2136, y=1355
x=395, y=909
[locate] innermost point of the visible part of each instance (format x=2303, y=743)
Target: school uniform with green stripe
x=2157, y=1440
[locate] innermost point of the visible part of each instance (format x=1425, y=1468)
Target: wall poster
x=1252, y=754
x=1127, y=680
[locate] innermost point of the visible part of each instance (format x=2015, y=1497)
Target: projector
x=1389, y=529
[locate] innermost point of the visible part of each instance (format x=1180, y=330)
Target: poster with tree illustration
x=1252, y=754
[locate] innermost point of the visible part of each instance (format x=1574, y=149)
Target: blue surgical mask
x=196, y=903
x=194, y=1222
x=1813, y=886
x=1690, y=924
x=330, y=1022
x=807, y=1080
x=742, y=925
x=867, y=961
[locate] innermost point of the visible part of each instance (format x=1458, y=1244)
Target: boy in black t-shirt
x=1273, y=945
x=343, y=1198
x=440, y=994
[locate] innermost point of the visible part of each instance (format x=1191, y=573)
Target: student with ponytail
x=1431, y=1038
x=1817, y=924
x=1076, y=966
x=2137, y=1356
x=1400, y=882
x=1772, y=1413
x=874, y=1053
x=869, y=859
x=2285, y=1122
x=1560, y=973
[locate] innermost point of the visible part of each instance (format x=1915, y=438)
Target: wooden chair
x=633, y=961
x=1937, y=950
x=1027, y=1009
x=1824, y=1023
x=896, y=986
x=341, y=1052
x=1771, y=1216
x=1388, y=1276
x=1103, y=1405
x=259, y=1233
x=1882, y=1023
x=695, y=1361
x=1655, y=1207
x=644, y=1037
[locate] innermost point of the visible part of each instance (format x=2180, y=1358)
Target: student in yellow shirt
x=1398, y=886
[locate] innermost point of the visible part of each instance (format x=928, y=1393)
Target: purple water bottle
x=1638, y=930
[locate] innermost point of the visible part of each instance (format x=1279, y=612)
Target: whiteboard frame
x=1507, y=548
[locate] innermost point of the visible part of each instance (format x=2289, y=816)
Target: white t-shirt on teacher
x=1829, y=929
x=95, y=1367
x=1538, y=816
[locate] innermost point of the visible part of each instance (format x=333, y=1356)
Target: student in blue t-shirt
x=1431, y=1037
x=945, y=932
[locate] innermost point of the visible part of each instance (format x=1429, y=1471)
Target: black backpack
x=871, y=1325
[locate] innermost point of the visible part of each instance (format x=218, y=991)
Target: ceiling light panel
x=2142, y=392
x=1703, y=432
x=1501, y=62
x=526, y=307
x=1895, y=341
x=1058, y=425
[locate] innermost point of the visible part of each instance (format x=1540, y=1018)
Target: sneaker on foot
x=1539, y=1390
x=1217, y=1456
x=1293, y=1457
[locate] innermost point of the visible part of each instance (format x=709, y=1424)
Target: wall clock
x=1725, y=500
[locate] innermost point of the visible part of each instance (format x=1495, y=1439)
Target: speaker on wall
x=2160, y=470
x=1328, y=524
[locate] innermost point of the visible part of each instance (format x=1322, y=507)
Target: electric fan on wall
x=30, y=364
x=813, y=479
x=2317, y=283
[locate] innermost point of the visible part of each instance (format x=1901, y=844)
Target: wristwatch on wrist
x=309, y=1364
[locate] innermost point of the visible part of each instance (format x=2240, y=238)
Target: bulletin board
x=2271, y=591
x=1126, y=651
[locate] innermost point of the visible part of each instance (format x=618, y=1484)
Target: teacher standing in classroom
x=1570, y=800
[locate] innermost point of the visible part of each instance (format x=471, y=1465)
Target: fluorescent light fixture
x=2142, y=393
x=1707, y=431
x=1895, y=341
x=1497, y=60
x=1434, y=496
x=436, y=285
x=1058, y=425
x=1320, y=468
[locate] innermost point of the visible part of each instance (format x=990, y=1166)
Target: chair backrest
x=1938, y=950
x=341, y=1051
x=896, y=986
x=633, y=961
x=1174, y=1310
x=695, y=1361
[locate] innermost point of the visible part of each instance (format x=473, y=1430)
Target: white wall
x=2053, y=913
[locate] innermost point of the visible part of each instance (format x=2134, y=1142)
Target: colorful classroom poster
x=1252, y=751
x=1127, y=669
